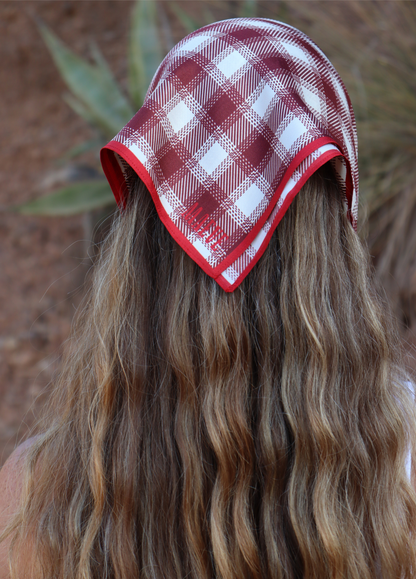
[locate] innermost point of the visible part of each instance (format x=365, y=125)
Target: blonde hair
x=199, y=434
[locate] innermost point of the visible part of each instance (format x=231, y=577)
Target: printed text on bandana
x=203, y=226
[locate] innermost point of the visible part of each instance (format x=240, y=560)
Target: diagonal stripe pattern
x=238, y=116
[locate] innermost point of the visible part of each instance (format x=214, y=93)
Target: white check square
x=262, y=103
x=180, y=116
x=200, y=247
x=296, y=52
x=292, y=132
x=312, y=99
x=194, y=43
x=138, y=153
x=213, y=158
x=231, y=63
x=249, y=200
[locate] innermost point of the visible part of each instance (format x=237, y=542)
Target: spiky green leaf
x=189, y=23
x=91, y=84
x=208, y=14
x=71, y=200
x=80, y=149
x=145, y=51
x=82, y=111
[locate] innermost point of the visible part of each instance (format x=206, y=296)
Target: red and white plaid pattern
x=238, y=116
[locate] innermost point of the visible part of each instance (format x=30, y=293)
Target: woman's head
x=199, y=433
x=239, y=114
x=253, y=433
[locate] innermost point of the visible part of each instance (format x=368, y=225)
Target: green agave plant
x=97, y=98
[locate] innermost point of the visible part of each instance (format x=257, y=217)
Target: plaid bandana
x=238, y=116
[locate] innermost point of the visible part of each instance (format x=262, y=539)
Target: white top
x=411, y=387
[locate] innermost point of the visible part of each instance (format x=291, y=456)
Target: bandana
x=237, y=117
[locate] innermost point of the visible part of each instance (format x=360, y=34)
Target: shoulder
x=11, y=475
x=11, y=485
x=12, y=468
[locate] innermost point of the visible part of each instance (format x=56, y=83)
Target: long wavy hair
x=256, y=434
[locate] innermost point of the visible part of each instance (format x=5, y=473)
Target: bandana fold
x=238, y=116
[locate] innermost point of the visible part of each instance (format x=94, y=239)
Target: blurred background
x=73, y=72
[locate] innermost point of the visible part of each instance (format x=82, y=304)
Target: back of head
x=201, y=434
x=231, y=404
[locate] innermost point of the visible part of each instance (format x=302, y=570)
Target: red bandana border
x=238, y=116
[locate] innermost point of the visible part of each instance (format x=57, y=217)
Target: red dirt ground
x=41, y=269
x=42, y=260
